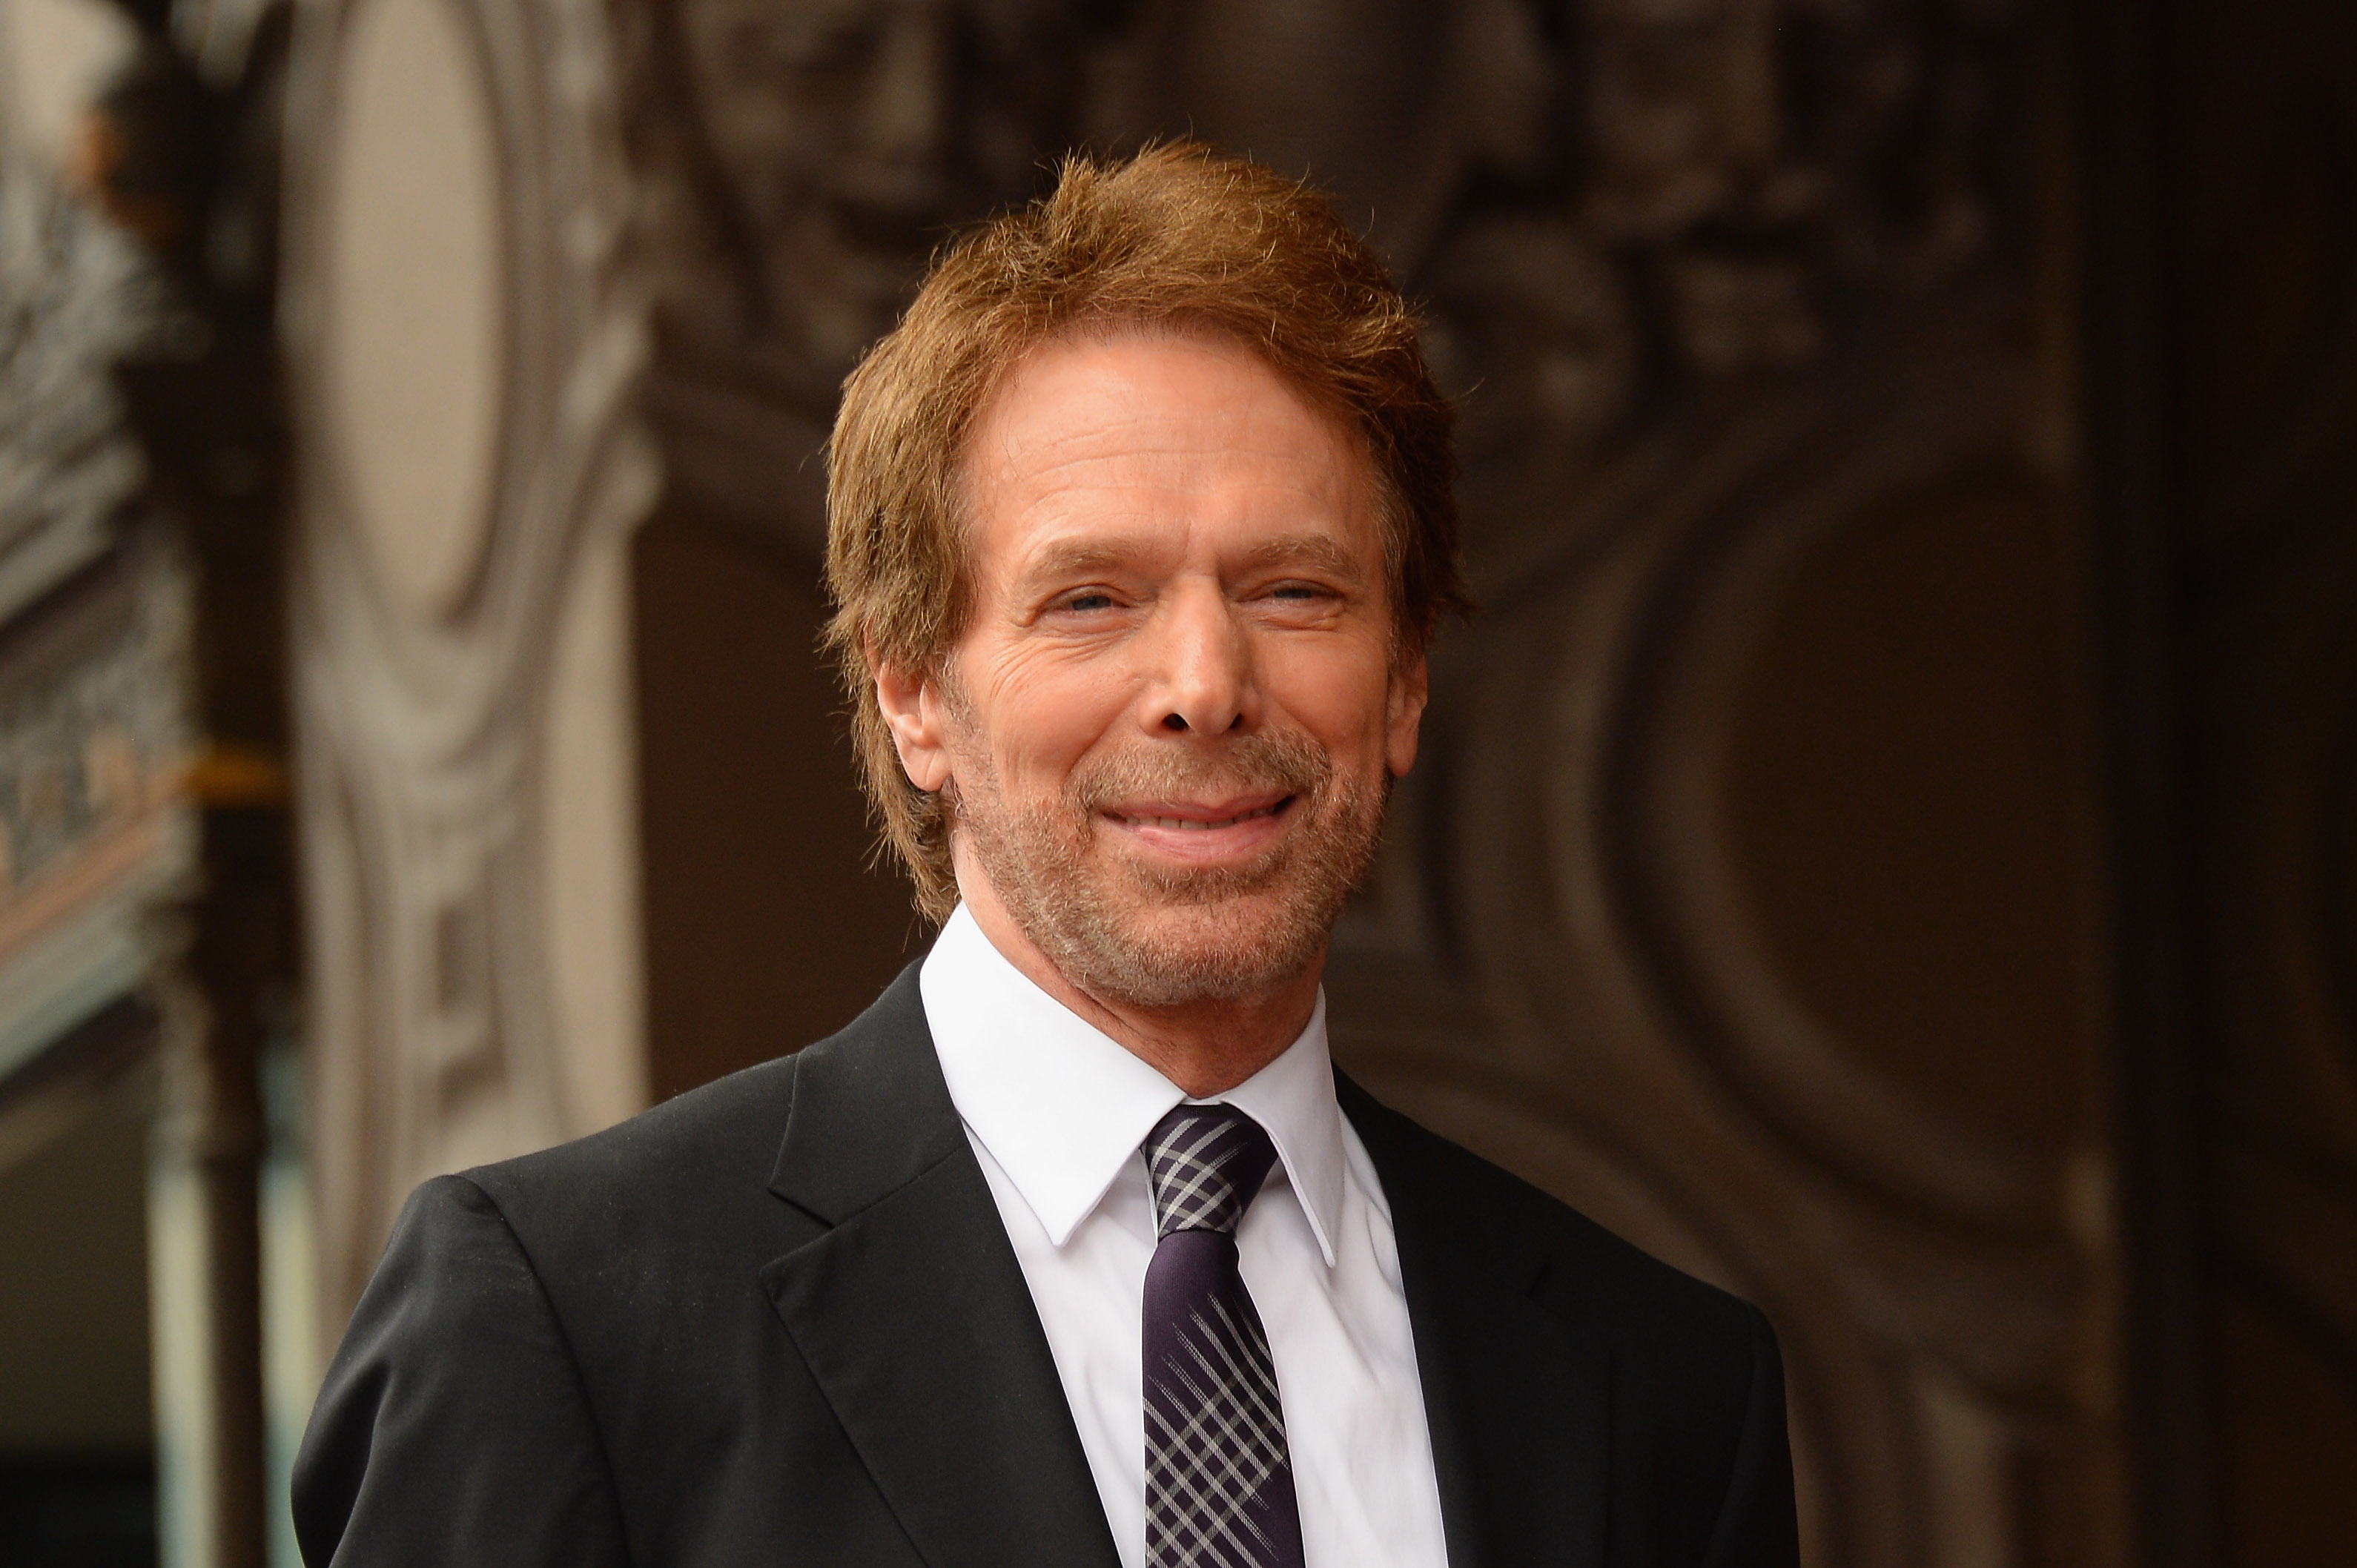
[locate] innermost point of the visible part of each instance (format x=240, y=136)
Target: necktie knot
x=1205, y=1162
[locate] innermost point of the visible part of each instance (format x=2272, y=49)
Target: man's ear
x=912, y=707
x=1411, y=688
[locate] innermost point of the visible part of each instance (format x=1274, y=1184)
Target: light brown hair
x=1178, y=236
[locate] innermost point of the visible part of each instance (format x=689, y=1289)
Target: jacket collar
x=912, y=1311
x=1517, y=1400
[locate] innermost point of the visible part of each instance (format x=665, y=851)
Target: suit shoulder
x=723, y=1135
x=1582, y=1270
x=691, y=1175
x=724, y=1132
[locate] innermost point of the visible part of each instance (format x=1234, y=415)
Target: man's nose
x=1209, y=685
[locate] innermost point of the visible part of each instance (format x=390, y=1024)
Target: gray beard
x=1152, y=938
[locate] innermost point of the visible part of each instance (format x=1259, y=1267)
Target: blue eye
x=1089, y=602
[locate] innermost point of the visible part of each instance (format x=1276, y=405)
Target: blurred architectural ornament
x=797, y=164
x=72, y=300
x=465, y=342
x=93, y=639
x=93, y=642
x=144, y=909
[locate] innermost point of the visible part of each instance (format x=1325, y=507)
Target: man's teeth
x=1185, y=825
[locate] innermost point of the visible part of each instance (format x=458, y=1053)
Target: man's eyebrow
x=1085, y=557
x=1080, y=557
x=1315, y=551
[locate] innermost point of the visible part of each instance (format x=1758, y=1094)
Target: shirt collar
x=1061, y=1106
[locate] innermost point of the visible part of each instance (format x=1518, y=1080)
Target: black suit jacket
x=778, y=1321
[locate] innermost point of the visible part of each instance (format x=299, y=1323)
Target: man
x=1075, y=1249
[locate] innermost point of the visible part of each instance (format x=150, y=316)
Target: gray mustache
x=1289, y=763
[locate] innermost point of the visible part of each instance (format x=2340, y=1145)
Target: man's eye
x=1087, y=602
x=1297, y=591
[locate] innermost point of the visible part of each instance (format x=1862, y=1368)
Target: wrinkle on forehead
x=1141, y=424
x=1176, y=330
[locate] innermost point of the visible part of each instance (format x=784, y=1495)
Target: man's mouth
x=1150, y=817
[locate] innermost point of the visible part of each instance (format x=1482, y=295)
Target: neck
x=1205, y=1048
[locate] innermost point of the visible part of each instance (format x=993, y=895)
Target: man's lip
x=1196, y=816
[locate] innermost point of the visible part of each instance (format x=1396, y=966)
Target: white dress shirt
x=1056, y=1111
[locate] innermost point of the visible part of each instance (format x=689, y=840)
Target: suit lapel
x=1516, y=1401
x=912, y=1312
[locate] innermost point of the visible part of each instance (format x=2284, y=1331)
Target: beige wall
x=51, y=53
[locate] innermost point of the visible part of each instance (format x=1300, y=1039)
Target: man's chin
x=1176, y=951
x=1212, y=926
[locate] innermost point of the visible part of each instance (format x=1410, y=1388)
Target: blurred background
x=1890, y=844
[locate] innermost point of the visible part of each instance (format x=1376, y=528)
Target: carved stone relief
x=465, y=342
x=94, y=612
x=798, y=163
x=72, y=300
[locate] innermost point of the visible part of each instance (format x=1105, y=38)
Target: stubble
x=1125, y=930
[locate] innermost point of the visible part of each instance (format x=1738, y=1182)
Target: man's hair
x=1176, y=238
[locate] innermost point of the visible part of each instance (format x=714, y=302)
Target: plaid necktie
x=1219, y=1485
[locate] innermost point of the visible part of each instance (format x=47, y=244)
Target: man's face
x=1169, y=730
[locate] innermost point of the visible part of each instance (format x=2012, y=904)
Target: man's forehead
x=1149, y=393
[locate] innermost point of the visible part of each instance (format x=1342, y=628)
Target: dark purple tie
x=1219, y=1485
